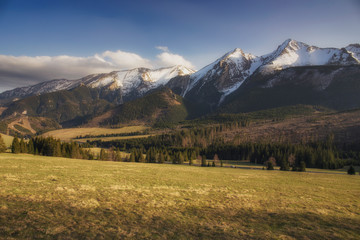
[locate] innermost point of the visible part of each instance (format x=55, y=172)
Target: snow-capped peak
x=293, y=53
x=354, y=50
x=230, y=71
x=236, y=64
x=161, y=76
x=142, y=79
x=139, y=79
x=237, y=55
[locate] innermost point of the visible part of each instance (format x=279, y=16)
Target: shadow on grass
x=34, y=219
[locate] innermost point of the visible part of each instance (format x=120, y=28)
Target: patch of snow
x=195, y=77
x=226, y=92
x=292, y=53
x=354, y=50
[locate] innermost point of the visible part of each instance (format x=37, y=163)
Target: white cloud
x=25, y=70
x=163, y=48
x=169, y=59
x=126, y=60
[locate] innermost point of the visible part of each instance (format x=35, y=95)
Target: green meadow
x=59, y=198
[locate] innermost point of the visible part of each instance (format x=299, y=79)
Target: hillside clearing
x=47, y=197
x=68, y=134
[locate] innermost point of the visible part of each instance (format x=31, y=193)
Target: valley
x=224, y=120
x=254, y=147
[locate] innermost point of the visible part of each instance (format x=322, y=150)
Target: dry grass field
x=68, y=134
x=58, y=198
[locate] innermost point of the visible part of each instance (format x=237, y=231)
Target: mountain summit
x=292, y=53
x=126, y=84
x=294, y=73
x=213, y=83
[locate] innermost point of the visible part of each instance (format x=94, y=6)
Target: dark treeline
x=189, y=144
x=315, y=154
x=50, y=147
x=162, y=155
x=186, y=138
x=53, y=147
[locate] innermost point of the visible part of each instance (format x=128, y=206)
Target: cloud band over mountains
x=17, y=71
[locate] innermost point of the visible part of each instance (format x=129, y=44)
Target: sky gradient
x=41, y=39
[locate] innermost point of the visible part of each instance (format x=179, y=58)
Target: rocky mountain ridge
x=128, y=84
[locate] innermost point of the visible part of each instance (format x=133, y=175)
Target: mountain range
x=294, y=73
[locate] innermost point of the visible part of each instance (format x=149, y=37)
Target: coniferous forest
x=187, y=145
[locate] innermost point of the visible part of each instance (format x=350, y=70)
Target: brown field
x=59, y=198
x=68, y=134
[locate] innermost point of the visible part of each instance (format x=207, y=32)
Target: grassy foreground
x=43, y=197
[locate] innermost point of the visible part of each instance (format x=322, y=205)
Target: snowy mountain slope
x=40, y=88
x=332, y=86
x=218, y=79
x=354, y=49
x=211, y=84
x=236, y=64
x=138, y=80
x=292, y=53
x=228, y=73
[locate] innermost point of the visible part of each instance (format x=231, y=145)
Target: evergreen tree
x=351, y=170
x=190, y=161
x=2, y=145
x=103, y=154
x=213, y=164
x=30, y=147
x=161, y=157
x=75, y=151
x=284, y=166
x=132, y=157
x=167, y=156
x=185, y=156
x=23, y=148
x=117, y=155
x=302, y=167
x=203, y=161
x=181, y=158
x=175, y=158
x=269, y=165
x=15, y=146
x=141, y=157
x=57, y=152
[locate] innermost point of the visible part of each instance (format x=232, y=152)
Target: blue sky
x=195, y=32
